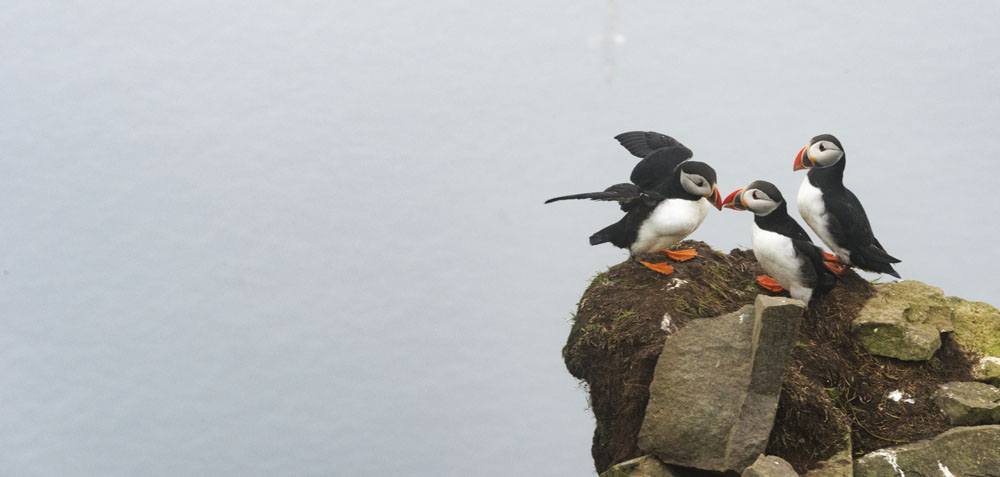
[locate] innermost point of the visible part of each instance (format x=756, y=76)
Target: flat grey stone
x=715, y=389
x=645, y=466
x=958, y=452
x=969, y=403
x=769, y=466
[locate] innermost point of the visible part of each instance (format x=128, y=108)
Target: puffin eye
x=821, y=147
x=755, y=195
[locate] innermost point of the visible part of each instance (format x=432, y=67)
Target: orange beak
x=802, y=160
x=717, y=197
x=735, y=200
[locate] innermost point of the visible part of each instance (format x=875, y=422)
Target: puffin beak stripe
x=801, y=159
x=716, y=197
x=735, y=200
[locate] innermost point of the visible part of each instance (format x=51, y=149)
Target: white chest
x=670, y=222
x=813, y=211
x=777, y=257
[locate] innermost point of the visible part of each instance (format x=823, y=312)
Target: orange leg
x=833, y=264
x=681, y=255
x=663, y=268
x=837, y=268
x=769, y=284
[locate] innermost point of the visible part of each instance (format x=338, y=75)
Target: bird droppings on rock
x=833, y=387
x=945, y=471
x=900, y=396
x=964, y=451
x=666, y=324
x=890, y=456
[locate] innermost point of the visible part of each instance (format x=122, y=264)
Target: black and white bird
x=782, y=247
x=834, y=212
x=667, y=199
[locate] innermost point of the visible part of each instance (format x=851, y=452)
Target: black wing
x=641, y=143
x=627, y=195
x=624, y=232
x=849, y=225
x=660, y=156
x=814, y=271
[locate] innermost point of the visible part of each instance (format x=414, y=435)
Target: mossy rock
x=977, y=326
x=904, y=320
x=987, y=370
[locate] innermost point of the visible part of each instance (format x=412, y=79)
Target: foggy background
x=309, y=239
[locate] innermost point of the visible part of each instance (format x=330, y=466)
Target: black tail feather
x=604, y=235
x=624, y=192
x=874, y=259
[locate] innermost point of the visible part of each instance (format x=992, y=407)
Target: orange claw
x=833, y=264
x=663, y=268
x=769, y=284
x=681, y=255
x=836, y=267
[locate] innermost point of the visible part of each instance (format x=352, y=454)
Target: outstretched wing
x=660, y=156
x=641, y=143
x=627, y=195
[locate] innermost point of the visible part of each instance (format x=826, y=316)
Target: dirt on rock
x=832, y=387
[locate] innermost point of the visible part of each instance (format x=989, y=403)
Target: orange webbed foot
x=833, y=264
x=769, y=284
x=837, y=268
x=663, y=268
x=681, y=255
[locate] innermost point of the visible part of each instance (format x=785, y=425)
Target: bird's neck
x=773, y=221
x=828, y=177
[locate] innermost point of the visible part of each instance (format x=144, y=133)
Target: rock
x=987, y=370
x=840, y=465
x=716, y=384
x=977, y=326
x=962, y=451
x=904, y=321
x=769, y=466
x=969, y=403
x=645, y=466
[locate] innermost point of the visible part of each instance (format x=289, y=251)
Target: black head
x=760, y=197
x=822, y=151
x=698, y=179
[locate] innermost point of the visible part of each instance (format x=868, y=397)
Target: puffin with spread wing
x=667, y=199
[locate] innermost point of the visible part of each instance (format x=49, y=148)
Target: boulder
x=969, y=403
x=962, y=451
x=987, y=370
x=645, y=466
x=904, y=320
x=977, y=326
x=716, y=385
x=769, y=466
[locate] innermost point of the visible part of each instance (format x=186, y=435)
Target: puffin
x=782, y=247
x=667, y=198
x=834, y=212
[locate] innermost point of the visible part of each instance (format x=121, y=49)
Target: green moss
x=625, y=315
x=977, y=327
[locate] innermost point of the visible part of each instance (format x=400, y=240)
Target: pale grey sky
x=308, y=238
